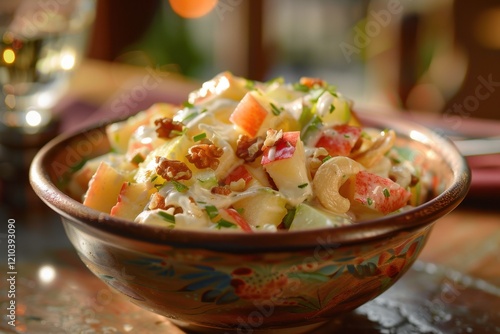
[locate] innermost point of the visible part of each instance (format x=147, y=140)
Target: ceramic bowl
x=244, y=283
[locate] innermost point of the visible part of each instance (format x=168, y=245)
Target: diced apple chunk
x=104, y=188
x=339, y=139
x=285, y=162
x=172, y=149
x=119, y=133
x=308, y=217
x=375, y=192
x=336, y=110
x=251, y=113
x=224, y=85
x=132, y=199
x=264, y=207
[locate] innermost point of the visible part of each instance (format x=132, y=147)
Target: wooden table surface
x=466, y=240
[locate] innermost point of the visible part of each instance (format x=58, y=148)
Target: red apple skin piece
x=369, y=187
x=249, y=115
x=237, y=174
x=284, y=148
x=238, y=220
x=339, y=139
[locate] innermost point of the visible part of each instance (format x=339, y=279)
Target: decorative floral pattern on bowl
x=277, y=289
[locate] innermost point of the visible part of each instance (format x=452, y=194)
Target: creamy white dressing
x=207, y=119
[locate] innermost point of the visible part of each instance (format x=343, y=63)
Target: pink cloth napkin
x=485, y=169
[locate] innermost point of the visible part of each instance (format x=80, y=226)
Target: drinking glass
x=41, y=43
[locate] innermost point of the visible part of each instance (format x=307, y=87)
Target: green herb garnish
x=300, y=87
x=386, y=192
x=167, y=217
x=137, y=159
x=189, y=117
x=212, y=211
x=187, y=104
x=276, y=111
x=250, y=84
x=179, y=186
x=288, y=219
x=200, y=136
x=222, y=223
x=332, y=108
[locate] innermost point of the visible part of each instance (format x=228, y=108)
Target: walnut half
x=249, y=149
x=205, y=156
x=166, y=127
x=172, y=169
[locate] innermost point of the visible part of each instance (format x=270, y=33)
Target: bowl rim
x=424, y=215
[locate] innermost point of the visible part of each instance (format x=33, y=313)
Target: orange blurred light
x=192, y=8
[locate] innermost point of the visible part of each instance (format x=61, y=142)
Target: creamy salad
x=250, y=156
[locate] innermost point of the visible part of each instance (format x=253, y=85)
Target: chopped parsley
x=179, y=186
x=301, y=87
x=303, y=185
x=187, y=104
x=212, y=211
x=189, y=117
x=179, y=133
x=288, y=219
x=276, y=111
x=167, y=217
x=159, y=186
x=386, y=192
x=137, y=159
x=222, y=223
x=200, y=136
x=332, y=108
x=325, y=159
x=249, y=84
x=369, y=201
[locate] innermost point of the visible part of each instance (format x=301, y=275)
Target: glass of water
x=41, y=43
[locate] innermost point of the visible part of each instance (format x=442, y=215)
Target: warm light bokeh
x=9, y=56
x=192, y=8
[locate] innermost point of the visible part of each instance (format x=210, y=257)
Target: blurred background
x=438, y=57
x=420, y=55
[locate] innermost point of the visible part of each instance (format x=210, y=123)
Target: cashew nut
x=330, y=176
